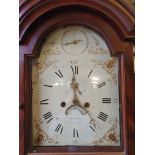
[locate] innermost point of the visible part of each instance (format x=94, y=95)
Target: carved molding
x=117, y=12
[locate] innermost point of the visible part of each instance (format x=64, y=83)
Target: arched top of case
x=119, y=14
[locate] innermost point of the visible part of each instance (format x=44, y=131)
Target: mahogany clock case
x=114, y=21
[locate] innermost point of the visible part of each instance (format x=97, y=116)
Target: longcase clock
x=76, y=77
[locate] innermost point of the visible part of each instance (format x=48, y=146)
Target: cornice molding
x=118, y=12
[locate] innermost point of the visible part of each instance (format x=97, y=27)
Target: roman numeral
x=101, y=84
x=106, y=100
x=59, y=74
x=75, y=133
x=44, y=101
x=92, y=128
x=90, y=73
x=74, y=62
x=48, y=116
x=75, y=69
x=59, y=128
x=102, y=116
x=48, y=85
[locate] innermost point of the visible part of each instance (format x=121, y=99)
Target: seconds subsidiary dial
x=74, y=41
x=75, y=98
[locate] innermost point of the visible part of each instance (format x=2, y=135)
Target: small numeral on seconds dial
x=48, y=116
x=102, y=116
x=75, y=69
x=106, y=100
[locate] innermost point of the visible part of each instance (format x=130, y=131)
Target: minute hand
x=72, y=42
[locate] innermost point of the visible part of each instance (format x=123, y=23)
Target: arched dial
x=75, y=97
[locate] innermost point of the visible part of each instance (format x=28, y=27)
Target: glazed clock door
x=75, y=84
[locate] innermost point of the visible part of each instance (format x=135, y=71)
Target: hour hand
x=75, y=86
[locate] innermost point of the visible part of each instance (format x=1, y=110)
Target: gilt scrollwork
x=40, y=136
x=111, y=136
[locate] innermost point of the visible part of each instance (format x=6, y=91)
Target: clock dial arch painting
x=75, y=84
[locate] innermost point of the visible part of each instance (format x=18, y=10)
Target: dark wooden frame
x=114, y=21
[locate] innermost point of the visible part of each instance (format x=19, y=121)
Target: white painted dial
x=75, y=99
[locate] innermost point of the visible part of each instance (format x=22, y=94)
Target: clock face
x=75, y=91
